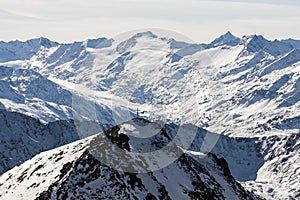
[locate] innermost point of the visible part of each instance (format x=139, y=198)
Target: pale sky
x=202, y=21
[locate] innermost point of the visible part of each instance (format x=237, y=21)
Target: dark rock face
x=90, y=179
x=121, y=140
x=186, y=178
x=21, y=137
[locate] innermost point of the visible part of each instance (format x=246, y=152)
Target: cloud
x=271, y=2
x=165, y=9
x=66, y=20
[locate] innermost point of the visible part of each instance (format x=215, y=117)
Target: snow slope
x=244, y=88
x=21, y=137
x=28, y=92
x=75, y=171
x=233, y=76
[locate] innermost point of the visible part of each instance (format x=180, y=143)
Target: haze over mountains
x=247, y=89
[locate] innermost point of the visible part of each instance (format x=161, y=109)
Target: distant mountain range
x=246, y=89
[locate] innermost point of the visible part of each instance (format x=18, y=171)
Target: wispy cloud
x=202, y=20
x=19, y=15
x=270, y=2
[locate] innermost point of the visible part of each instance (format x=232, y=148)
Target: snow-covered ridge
x=74, y=171
x=249, y=159
x=18, y=50
x=21, y=137
x=48, y=99
x=242, y=87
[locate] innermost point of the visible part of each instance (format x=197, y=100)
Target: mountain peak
x=131, y=42
x=46, y=42
x=229, y=34
x=258, y=38
x=89, y=168
x=146, y=33
x=254, y=38
x=255, y=43
x=99, y=42
x=225, y=39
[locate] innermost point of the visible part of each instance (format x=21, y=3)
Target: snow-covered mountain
x=21, y=137
x=78, y=170
x=17, y=50
x=235, y=76
x=231, y=75
x=257, y=162
x=246, y=89
x=28, y=92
